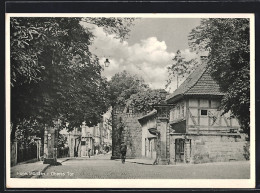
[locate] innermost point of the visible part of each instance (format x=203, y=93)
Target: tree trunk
x=13, y=130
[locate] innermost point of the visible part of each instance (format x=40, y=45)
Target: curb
x=141, y=163
x=27, y=162
x=135, y=162
x=188, y=165
x=65, y=160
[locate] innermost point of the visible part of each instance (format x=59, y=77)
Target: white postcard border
x=134, y=183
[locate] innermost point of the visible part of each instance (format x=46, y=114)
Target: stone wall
x=218, y=148
x=125, y=127
x=212, y=148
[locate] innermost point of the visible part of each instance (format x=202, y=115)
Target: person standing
x=89, y=150
x=123, y=150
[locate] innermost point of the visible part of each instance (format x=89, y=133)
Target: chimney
x=163, y=94
x=204, y=56
x=203, y=59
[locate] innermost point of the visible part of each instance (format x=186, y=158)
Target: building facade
x=90, y=140
x=149, y=140
x=190, y=127
x=106, y=139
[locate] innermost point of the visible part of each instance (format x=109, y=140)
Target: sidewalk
x=31, y=170
x=145, y=161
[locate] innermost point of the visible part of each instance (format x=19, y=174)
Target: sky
x=150, y=48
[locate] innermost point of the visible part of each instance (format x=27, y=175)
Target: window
x=178, y=111
x=204, y=112
x=182, y=110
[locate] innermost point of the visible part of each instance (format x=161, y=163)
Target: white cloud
x=148, y=58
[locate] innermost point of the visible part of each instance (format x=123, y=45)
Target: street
x=101, y=167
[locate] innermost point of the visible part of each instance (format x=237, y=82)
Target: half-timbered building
x=194, y=128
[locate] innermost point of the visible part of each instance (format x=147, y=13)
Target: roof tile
x=200, y=82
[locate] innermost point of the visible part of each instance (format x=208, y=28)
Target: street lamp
x=107, y=63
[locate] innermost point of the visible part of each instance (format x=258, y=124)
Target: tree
x=143, y=101
x=62, y=139
x=180, y=68
x=27, y=131
x=123, y=85
x=53, y=73
x=229, y=51
x=29, y=37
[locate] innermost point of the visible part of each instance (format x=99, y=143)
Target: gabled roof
x=200, y=82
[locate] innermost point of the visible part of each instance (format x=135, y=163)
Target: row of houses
x=187, y=127
x=90, y=140
x=81, y=142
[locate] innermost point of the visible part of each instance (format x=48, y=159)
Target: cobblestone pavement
x=101, y=167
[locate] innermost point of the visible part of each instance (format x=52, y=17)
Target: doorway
x=179, y=150
x=182, y=150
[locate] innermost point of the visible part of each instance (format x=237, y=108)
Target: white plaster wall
x=205, y=120
x=176, y=112
x=144, y=135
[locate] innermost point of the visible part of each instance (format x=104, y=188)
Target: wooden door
x=179, y=150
